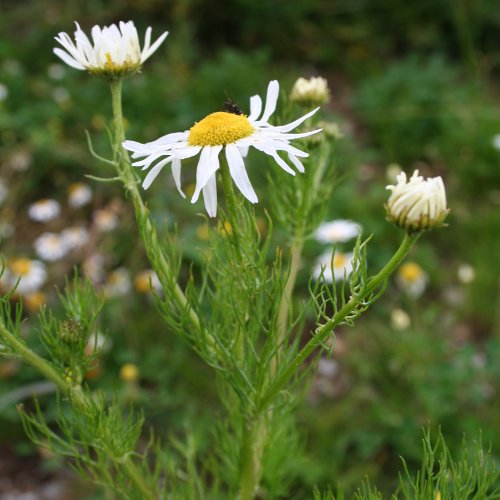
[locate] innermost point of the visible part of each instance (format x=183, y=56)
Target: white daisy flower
x=44, y=210
x=417, y=204
x=97, y=343
x=75, y=237
x=400, y=319
x=234, y=133
x=412, y=279
x=79, y=194
x=337, y=231
x=51, y=246
x=342, y=266
x=115, y=50
x=4, y=92
x=118, y=283
x=93, y=267
x=495, y=141
x=31, y=273
x=105, y=220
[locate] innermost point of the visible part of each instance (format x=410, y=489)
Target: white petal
x=176, y=174
x=68, y=59
x=273, y=91
x=210, y=196
x=272, y=152
x=296, y=123
x=146, y=54
x=207, y=166
x=255, y=107
x=239, y=173
x=153, y=173
x=296, y=162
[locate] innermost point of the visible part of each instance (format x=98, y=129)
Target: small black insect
x=231, y=107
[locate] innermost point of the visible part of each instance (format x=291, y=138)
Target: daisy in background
x=412, y=279
x=105, y=220
x=79, y=194
x=337, y=231
x=231, y=132
x=44, y=210
x=147, y=281
x=114, y=50
x=75, y=237
x=342, y=266
x=117, y=283
x=51, y=247
x=31, y=275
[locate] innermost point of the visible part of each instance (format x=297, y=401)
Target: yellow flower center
x=21, y=266
x=410, y=272
x=219, y=129
x=339, y=260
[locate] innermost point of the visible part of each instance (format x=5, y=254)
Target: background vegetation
x=414, y=84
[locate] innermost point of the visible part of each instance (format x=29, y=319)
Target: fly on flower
x=233, y=133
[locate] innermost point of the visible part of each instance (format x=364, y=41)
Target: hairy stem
x=146, y=226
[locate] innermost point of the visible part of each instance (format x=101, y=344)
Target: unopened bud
x=417, y=204
x=310, y=92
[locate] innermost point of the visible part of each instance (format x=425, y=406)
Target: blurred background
x=413, y=85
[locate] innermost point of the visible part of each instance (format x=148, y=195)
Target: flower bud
x=417, y=204
x=310, y=92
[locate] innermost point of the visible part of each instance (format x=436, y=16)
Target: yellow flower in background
x=129, y=373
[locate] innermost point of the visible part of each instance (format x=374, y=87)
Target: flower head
x=310, y=91
x=51, y=246
x=31, y=275
x=412, y=279
x=79, y=194
x=44, y=210
x=337, y=231
x=222, y=130
x=340, y=263
x=417, y=204
x=115, y=50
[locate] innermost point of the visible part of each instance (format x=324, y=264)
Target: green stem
x=254, y=437
x=147, y=229
x=33, y=359
x=74, y=392
x=323, y=331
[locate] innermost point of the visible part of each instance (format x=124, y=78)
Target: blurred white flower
x=75, y=237
x=234, y=133
x=337, y=231
x=400, y=320
x=342, y=266
x=97, y=342
x=4, y=92
x=417, y=204
x=32, y=275
x=93, y=267
x=105, y=220
x=56, y=71
x=312, y=91
x=79, y=194
x=115, y=49
x=60, y=95
x=44, y=210
x=466, y=274
x=117, y=283
x=328, y=367
x=412, y=279
x=51, y=247
x=3, y=191
x=147, y=281
x=496, y=141
x=20, y=161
